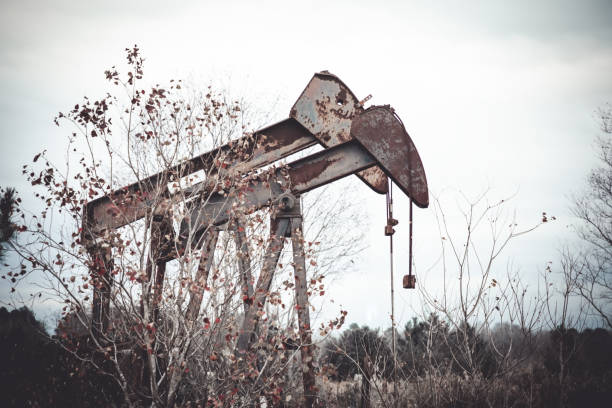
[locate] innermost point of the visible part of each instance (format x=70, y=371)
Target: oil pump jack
x=371, y=143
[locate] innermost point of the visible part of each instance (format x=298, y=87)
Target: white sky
x=492, y=94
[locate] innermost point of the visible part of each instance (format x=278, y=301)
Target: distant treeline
x=453, y=367
x=506, y=369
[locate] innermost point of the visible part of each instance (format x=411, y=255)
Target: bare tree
x=478, y=333
x=563, y=315
x=164, y=330
x=594, y=212
x=484, y=321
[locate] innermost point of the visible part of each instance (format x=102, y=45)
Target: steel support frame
x=285, y=222
x=372, y=139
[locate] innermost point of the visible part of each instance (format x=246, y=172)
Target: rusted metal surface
x=386, y=143
x=278, y=228
x=158, y=288
x=199, y=285
x=162, y=238
x=102, y=277
x=131, y=203
x=244, y=262
x=382, y=133
x=375, y=178
x=327, y=166
x=409, y=282
x=303, y=312
x=327, y=108
x=297, y=177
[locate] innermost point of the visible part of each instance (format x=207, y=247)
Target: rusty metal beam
x=323, y=113
x=297, y=177
x=131, y=203
x=394, y=152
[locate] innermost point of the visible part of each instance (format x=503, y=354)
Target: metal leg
x=206, y=260
x=278, y=229
x=288, y=223
x=244, y=263
x=103, y=279
x=161, y=243
x=301, y=299
x=161, y=239
x=158, y=288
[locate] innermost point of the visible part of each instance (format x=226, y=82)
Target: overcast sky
x=494, y=94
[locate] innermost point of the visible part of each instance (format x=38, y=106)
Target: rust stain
x=375, y=178
x=306, y=173
x=334, y=107
x=382, y=133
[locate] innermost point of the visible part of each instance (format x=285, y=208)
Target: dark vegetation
x=433, y=373
x=38, y=370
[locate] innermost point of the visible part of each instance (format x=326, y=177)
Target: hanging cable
x=391, y=222
x=389, y=231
